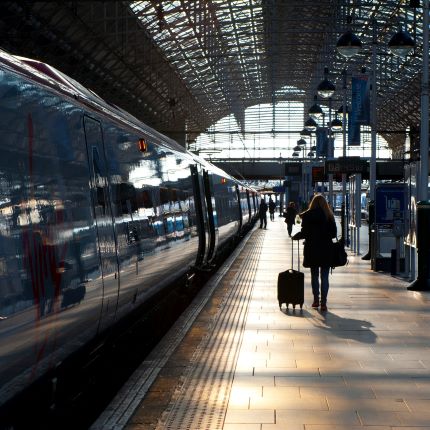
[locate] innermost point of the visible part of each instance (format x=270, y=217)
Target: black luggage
x=291, y=283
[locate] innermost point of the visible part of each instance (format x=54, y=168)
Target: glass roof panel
x=237, y=53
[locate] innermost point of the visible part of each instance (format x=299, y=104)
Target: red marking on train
x=44, y=261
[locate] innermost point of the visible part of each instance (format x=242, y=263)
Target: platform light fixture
x=305, y=133
x=315, y=111
x=326, y=88
x=301, y=142
x=311, y=124
x=401, y=44
x=336, y=125
x=348, y=44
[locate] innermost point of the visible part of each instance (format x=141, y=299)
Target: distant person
x=262, y=213
x=318, y=230
x=272, y=207
x=290, y=217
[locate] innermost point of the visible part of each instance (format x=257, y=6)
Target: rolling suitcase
x=291, y=283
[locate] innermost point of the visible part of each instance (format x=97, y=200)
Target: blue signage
x=360, y=108
x=389, y=203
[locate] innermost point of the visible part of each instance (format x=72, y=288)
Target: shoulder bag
x=339, y=257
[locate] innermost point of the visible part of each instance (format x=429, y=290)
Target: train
x=99, y=213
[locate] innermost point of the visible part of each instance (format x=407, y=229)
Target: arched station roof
x=182, y=65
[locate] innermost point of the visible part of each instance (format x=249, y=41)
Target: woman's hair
x=319, y=201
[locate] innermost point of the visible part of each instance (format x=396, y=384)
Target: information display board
x=293, y=169
x=390, y=202
x=348, y=165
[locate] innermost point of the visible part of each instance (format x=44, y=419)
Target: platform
x=235, y=361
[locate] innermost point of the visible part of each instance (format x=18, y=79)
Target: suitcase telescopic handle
x=298, y=254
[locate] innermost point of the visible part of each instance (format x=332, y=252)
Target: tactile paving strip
x=126, y=403
x=201, y=401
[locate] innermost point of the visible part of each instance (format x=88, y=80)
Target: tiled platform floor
x=363, y=364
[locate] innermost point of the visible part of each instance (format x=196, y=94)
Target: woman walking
x=318, y=230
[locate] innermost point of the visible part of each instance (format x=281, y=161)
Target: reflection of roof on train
x=51, y=77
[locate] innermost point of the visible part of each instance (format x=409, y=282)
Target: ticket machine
x=388, y=229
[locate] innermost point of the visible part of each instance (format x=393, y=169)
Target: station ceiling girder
x=182, y=65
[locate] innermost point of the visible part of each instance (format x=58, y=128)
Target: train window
x=164, y=196
x=127, y=197
x=145, y=199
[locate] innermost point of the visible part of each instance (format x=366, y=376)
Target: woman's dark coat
x=318, y=233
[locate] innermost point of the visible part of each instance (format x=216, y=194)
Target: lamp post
x=325, y=90
x=343, y=208
x=400, y=44
x=424, y=141
x=348, y=45
x=306, y=167
x=373, y=118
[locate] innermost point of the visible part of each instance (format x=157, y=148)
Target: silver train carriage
x=98, y=212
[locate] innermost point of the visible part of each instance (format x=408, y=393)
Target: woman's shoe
x=324, y=308
x=315, y=304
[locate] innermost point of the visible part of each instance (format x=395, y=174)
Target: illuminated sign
x=318, y=174
x=142, y=145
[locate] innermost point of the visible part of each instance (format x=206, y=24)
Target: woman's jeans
x=315, y=273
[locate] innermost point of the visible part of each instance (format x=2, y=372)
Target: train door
x=248, y=201
x=102, y=212
x=239, y=207
x=212, y=215
x=201, y=216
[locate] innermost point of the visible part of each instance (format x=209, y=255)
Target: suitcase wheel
x=301, y=305
x=280, y=305
x=294, y=306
